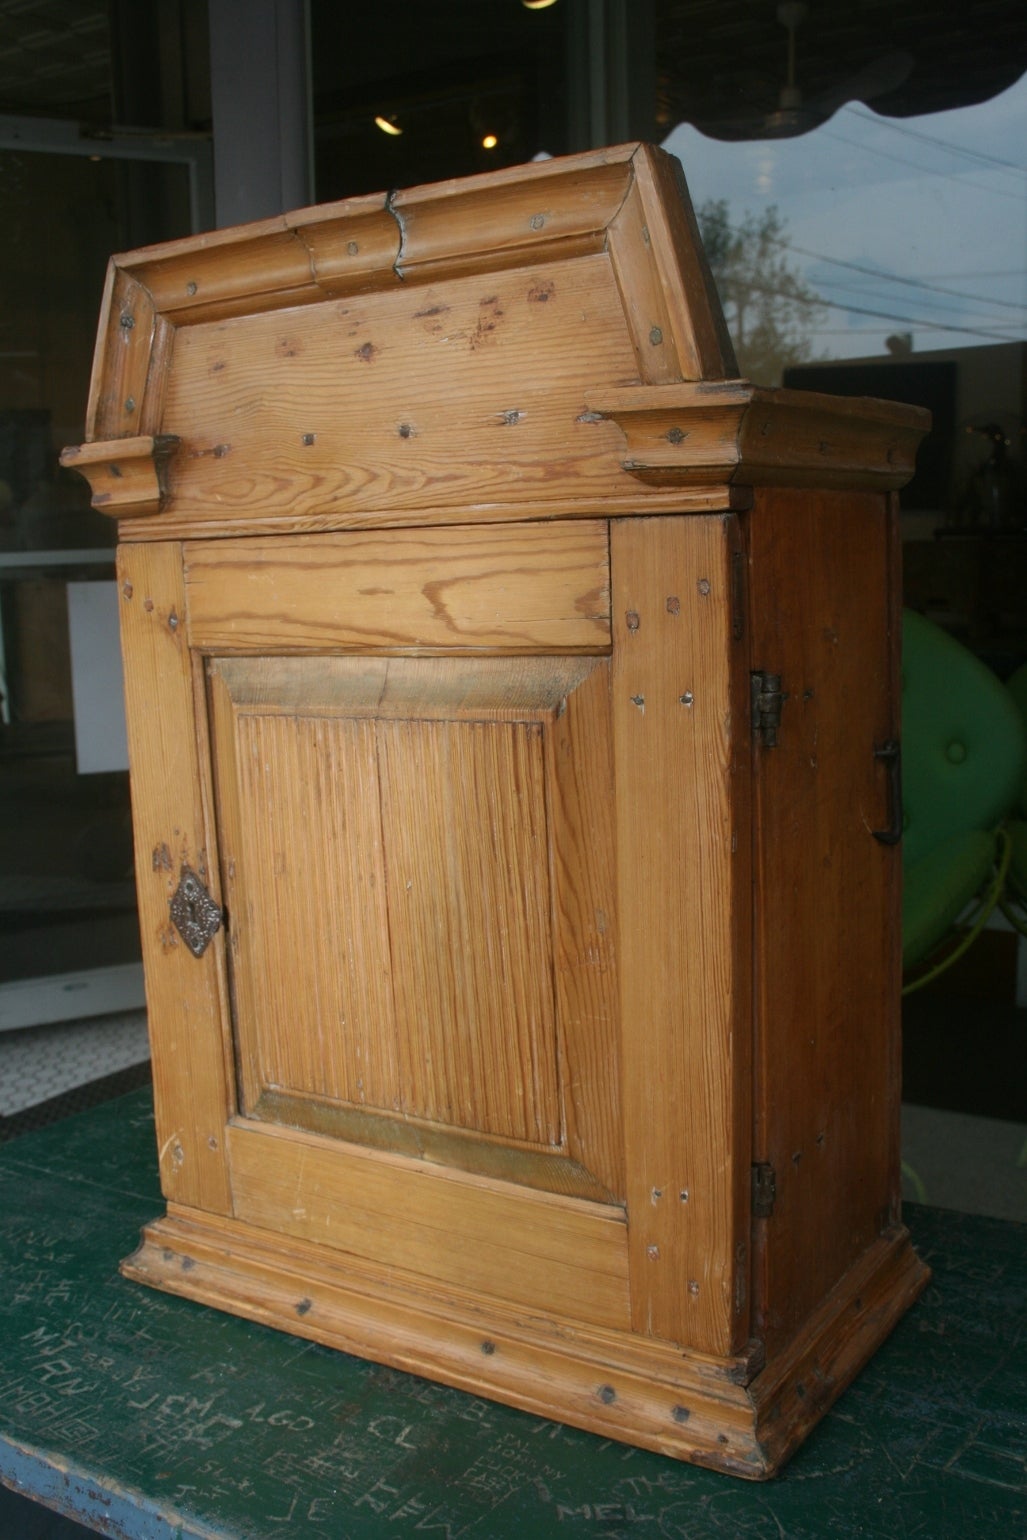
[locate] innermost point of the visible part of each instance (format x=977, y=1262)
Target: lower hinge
x=767, y=699
x=764, y=1189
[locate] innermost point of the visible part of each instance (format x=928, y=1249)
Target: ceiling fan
x=796, y=114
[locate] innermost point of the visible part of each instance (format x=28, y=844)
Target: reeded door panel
x=416, y=858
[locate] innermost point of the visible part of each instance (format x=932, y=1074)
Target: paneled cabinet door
x=393, y=762
x=414, y=855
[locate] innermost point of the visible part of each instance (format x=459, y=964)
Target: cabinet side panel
x=828, y=921
x=166, y=742
x=681, y=760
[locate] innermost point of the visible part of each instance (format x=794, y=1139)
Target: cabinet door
x=416, y=777
x=400, y=752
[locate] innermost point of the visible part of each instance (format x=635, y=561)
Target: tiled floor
x=953, y=1160
x=966, y=1163
x=39, y=1063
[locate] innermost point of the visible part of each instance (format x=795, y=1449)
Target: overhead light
x=489, y=142
x=388, y=125
x=537, y=5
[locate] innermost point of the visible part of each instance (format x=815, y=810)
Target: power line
x=846, y=331
x=871, y=272
x=1016, y=326
x=933, y=305
x=902, y=160
x=885, y=315
x=944, y=144
x=936, y=318
x=995, y=272
x=913, y=283
x=920, y=322
x=858, y=331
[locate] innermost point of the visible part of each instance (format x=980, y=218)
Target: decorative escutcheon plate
x=194, y=913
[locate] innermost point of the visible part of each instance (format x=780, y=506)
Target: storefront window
x=68, y=920
x=886, y=256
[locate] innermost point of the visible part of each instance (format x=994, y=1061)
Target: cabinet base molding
x=736, y=1415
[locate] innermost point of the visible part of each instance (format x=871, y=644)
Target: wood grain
x=305, y=881
x=518, y=216
x=827, y=1004
x=435, y=998
x=508, y=218
x=320, y=409
x=681, y=765
x=835, y=1340
x=539, y=587
x=734, y=432
x=286, y=261
x=443, y=1331
x=173, y=825
x=645, y=299
x=434, y=1225
x=447, y=697
x=668, y=294
x=625, y=501
x=469, y=912
x=697, y=321
x=130, y=362
x=611, y=1383
x=127, y=476
x=581, y=796
x=307, y=381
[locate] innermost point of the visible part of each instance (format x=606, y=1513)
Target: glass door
x=69, y=935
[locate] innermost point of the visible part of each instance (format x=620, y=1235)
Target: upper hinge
x=767, y=699
x=764, y=1189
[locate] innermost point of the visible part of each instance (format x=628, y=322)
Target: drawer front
x=526, y=588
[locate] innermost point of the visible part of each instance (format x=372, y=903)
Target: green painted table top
x=150, y=1416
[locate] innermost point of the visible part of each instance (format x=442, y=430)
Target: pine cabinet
x=512, y=698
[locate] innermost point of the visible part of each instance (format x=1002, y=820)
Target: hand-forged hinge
x=767, y=700
x=764, y=1189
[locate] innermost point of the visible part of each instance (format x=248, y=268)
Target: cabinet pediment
x=493, y=348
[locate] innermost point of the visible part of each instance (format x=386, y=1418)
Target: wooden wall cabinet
x=511, y=692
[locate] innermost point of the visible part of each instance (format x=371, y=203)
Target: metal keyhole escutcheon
x=194, y=913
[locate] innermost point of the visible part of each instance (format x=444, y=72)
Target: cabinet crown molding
x=541, y=342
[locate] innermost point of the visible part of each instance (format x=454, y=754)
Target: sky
x=901, y=225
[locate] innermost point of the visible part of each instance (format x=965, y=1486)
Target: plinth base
x=736, y=1415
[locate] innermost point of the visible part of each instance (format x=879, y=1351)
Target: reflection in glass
x=66, y=892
